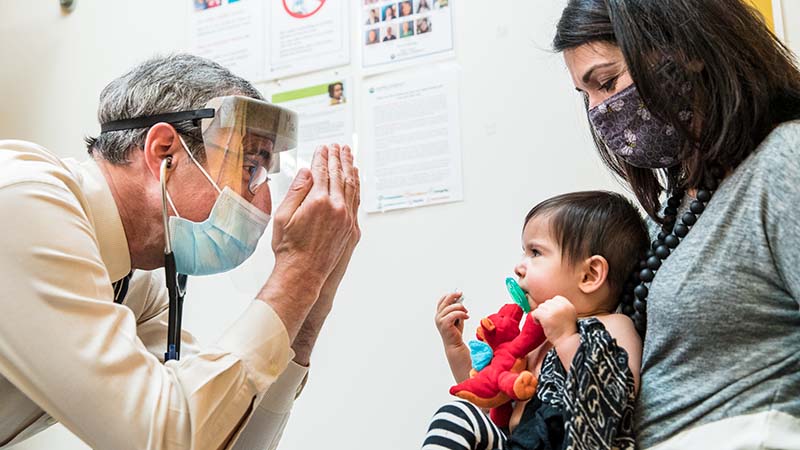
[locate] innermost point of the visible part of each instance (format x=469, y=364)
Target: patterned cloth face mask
x=629, y=130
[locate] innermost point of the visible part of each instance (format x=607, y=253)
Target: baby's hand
x=558, y=318
x=450, y=317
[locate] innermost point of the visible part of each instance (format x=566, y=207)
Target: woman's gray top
x=723, y=319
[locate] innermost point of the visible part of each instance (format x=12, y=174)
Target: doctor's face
x=598, y=71
x=194, y=195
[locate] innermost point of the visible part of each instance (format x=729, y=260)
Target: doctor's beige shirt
x=68, y=353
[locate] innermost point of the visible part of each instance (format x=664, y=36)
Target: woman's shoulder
x=781, y=146
x=790, y=129
x=774, y=166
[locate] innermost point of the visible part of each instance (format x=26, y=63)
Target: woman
x=406, y=8
x=423, y=26
x=721, y=363
x=372, y=36
x=692, y=103
x=407, y=29
x=388, y=13
x=374, y=17
x=423, y=6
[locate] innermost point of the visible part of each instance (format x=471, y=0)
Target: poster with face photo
x=270, y=40
x=229, y=32
x=305, y=36
x=324, y=107
x=404, y=32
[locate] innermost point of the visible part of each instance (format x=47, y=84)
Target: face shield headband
x=242, y=138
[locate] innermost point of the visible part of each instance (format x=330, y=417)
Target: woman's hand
x=450, y=317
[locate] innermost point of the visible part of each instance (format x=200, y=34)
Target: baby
x=579, y=251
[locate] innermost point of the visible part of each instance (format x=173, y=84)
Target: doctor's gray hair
x=160, y=85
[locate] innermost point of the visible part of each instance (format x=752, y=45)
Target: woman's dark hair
x=739, y=79
x=596, y=223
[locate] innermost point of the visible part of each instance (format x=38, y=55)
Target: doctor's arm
x=262, y=425
x=77, y=355
x=269, y=419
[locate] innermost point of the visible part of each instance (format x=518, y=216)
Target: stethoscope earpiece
x=176, y=283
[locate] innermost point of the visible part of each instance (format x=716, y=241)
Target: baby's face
x=542, y=274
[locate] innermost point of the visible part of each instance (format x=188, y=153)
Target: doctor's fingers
x=299, y=189
x=357, y=198
x=319, y=172
x=336, y=175
x=350, y=178
x=356, y=236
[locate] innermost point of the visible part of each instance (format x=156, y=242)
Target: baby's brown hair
x=596, y=223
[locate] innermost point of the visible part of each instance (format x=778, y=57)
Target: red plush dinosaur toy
x=504, y=378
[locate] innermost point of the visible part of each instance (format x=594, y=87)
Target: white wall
x=378, y=370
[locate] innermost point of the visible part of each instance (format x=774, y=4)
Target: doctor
x=185, y=145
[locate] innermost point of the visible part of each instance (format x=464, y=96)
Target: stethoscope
x=176, y=282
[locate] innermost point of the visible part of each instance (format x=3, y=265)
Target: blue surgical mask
x=221, y=242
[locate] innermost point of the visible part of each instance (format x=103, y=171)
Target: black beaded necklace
x=634, y=299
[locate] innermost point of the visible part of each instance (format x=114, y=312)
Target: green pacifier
x=518, y=294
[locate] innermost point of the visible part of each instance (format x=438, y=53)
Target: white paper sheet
x=229, y=32
x=324, y=107
x=401, y=33
x=306, y=35
x=323, y=119
x=411, y=150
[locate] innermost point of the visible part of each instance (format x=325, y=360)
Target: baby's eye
x=533, y=252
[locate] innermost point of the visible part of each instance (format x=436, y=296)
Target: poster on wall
x=267, y=40
x=230, y=33
x=324, y=108
x=411, y=147
x=401, y=33
x=305, y=36
x=771, y=10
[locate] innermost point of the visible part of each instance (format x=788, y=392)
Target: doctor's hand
x=314, y=223
x=314, y=227
x=353, y=201
x=312, y=325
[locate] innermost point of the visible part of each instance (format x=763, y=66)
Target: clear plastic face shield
x=242, y=137
x=243, y=142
